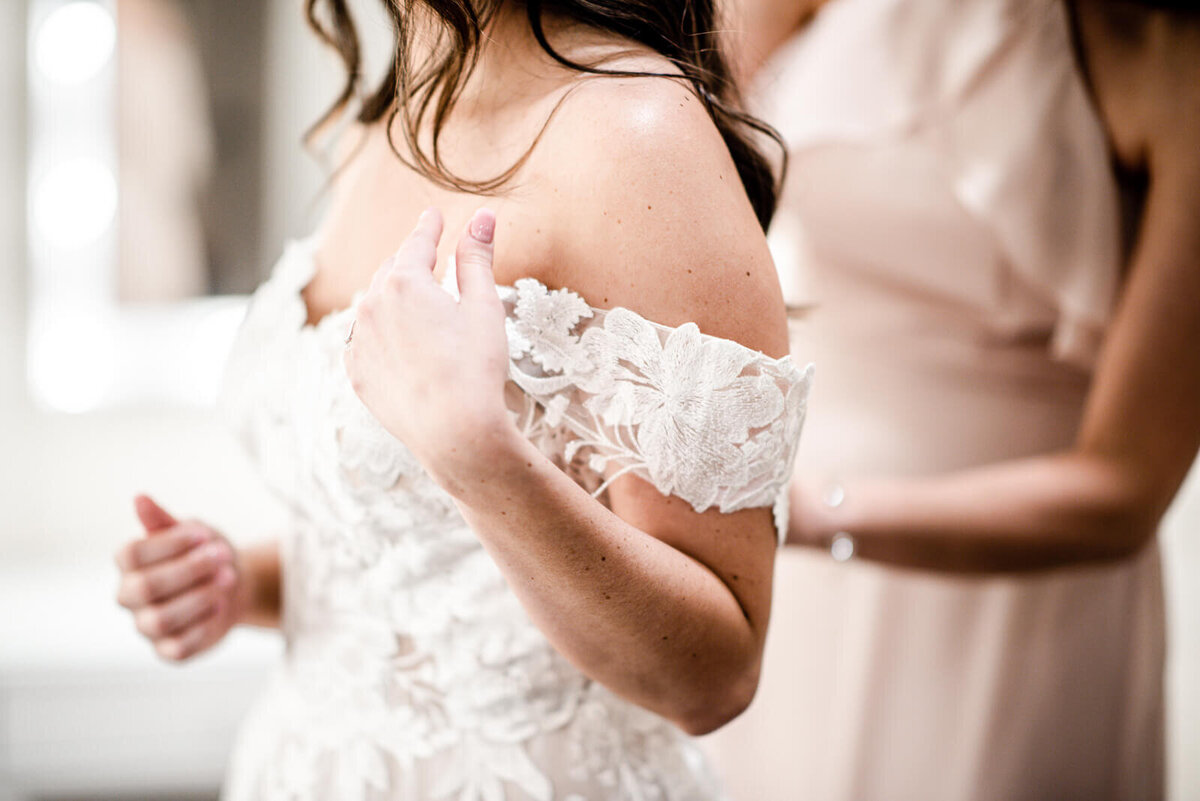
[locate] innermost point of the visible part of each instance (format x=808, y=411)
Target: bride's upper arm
x=649, y=214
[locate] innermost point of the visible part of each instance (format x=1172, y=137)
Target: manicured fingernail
x=214, y=551
x=483, y=226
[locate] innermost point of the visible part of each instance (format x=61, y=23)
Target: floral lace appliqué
x=700, y=417
x=412, y=671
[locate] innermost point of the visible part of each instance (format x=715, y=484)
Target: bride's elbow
x=719, y=703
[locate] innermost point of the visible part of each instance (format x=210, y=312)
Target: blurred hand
x=181, y=581
x=809, y=519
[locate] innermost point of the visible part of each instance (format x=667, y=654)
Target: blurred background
x=151, y=169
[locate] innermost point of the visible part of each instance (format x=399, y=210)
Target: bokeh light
x=74, y=42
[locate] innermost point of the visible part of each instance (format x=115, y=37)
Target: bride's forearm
x=1031, y=514
x=260, y=598
x=647, y=621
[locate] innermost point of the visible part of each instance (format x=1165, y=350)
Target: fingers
x=473, y=258
x=170, y=543
x=178, y=582
x=175, y=614
x=418, y=254
x=197, y=637
x=154, y=517
x=166, y=579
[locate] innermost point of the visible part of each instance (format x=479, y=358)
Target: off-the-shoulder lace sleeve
x=607, y=392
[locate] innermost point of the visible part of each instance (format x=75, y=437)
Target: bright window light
x=73, y=362
x=75, y=203
x=74, y=42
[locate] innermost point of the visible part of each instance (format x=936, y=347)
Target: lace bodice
x=411, y=671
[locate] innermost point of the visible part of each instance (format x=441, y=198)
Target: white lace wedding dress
x=411, y=671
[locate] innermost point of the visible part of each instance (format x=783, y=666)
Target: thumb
x=473, y=258
x=154, y=518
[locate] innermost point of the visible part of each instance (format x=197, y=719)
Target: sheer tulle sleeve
x=607, y=392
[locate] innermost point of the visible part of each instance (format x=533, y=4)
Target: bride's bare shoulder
x=640, y=121
x=640, y=205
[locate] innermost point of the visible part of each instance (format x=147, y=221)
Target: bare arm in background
x=759, y=27
x=1103, y=498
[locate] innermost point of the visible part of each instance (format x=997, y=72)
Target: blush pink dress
x=951, y=212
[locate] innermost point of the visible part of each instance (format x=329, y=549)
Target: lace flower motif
x=700, y=417
x=410, y=662
x=546, y=317
x=687, y=400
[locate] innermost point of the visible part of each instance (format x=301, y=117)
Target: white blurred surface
x=86, y=707
x=1181, y=556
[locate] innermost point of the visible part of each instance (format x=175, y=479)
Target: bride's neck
x=511, y=91
x=510, y=66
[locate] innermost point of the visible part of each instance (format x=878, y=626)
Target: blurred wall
x=66, y=486
x=1181, y=549
x=65, y=489
x=12, y=211
x=66, y=496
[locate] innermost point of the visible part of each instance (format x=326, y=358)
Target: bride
x=533, y=466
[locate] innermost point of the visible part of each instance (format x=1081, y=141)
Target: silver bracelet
x=841, y=547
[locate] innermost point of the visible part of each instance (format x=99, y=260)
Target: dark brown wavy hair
x=682, y=31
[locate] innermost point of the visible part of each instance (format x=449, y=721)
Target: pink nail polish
x=214, y=551
x=483, y=226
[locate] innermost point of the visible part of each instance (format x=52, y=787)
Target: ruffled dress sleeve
x=989, y=96
x=607, y=392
